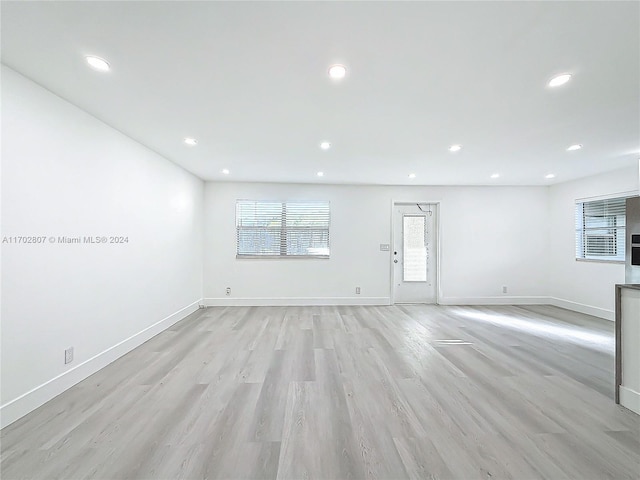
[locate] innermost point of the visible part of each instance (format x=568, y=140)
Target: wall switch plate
x=68, y=355
x=357, y=290
x=384, y=247
x=228, y=291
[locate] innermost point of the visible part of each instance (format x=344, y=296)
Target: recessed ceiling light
x=225, y=171
x=455, y=148
x=495, y=175
x=559, y=80
x=412, y=175
x=575, y=147
x=98, y=63
x=190, y=141
x=325, y=145
x=337, y=71
x=320, y=174
x=550, y=175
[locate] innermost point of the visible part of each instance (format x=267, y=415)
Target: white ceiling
x=249, y=81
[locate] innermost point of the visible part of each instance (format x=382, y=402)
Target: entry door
x=414, y=253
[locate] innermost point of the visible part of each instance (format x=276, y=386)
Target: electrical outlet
x=357, y=290
x=228, y=292
x=68, y=355
x=504, y=289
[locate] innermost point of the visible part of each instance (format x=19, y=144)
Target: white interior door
x=414, y=253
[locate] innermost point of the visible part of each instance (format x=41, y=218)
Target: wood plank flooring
x=421, y=392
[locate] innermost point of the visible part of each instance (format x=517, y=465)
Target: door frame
x=438, y=213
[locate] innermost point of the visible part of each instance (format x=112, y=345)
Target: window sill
x=282, y=257
x=593, y=260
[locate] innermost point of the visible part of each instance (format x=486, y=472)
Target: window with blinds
x=600, y=229
x=282, y=229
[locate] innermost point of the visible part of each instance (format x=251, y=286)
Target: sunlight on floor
x=574, y=334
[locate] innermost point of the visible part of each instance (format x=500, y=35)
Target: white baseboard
x=17, y=408
x=501, y=300
x=309, y=301
x=630, y=399
x=582, y=308
x=294, y=301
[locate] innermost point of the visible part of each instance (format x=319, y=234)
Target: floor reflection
x=568, y=332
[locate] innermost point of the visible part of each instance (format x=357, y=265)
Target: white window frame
x=281, y=230
x=613, y=231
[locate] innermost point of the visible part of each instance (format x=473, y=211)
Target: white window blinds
x=600, y=229
x=414, y=239
x=282, y=229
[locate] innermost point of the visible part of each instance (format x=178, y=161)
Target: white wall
x=583, y=286
x=490, y=237
x=66, y=173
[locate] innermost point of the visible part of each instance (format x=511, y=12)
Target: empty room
x=320, y=240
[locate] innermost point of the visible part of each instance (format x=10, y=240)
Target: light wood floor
x=344, y=393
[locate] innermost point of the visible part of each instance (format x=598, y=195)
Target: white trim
x=293, y=301
x=582, y=308
x=29, y=401
x=630, y=399
x=392, y=280
x=630, y=193
x=596, y=260
x=438, y=211
x=502, y=300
